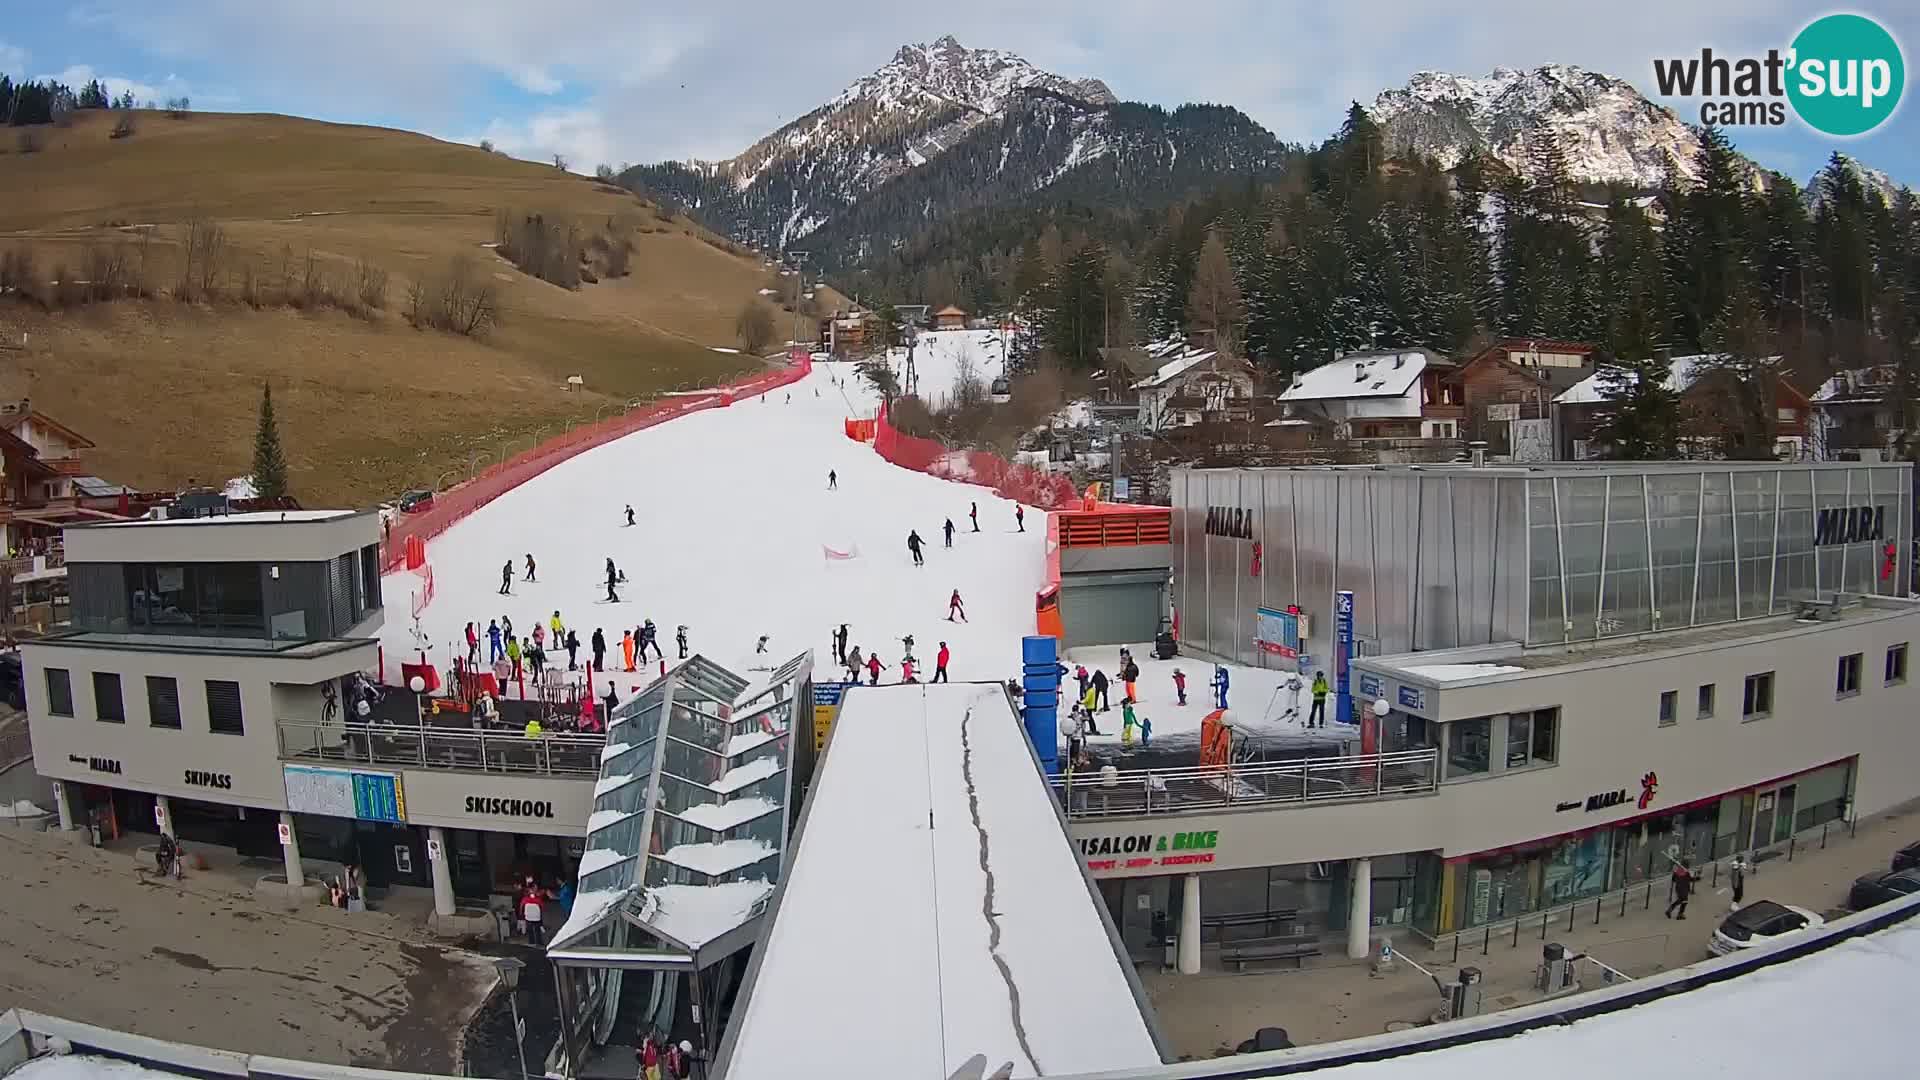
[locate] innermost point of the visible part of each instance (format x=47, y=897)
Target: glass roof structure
x=688, y=832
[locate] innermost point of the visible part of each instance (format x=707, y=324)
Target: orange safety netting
x=1022, y=483
x=456, y=503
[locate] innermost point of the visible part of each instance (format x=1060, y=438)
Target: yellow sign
x=822, y=725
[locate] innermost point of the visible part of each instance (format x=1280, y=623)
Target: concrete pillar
x=1360, y=909
x=163, y=814
x=442, y=871
x=290, y=851
x=1190, y=925
x=63, y=804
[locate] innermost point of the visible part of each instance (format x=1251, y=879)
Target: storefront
x=1488, y=887
x=501, y=829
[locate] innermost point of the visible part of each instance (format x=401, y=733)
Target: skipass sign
x=1842, y=75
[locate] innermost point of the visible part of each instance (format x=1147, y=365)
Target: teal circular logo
x=1847, y=74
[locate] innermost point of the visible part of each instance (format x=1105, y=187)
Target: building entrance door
x=1783, y=813
x=1773, y=815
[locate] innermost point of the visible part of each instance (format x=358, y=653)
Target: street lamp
x=509, y=970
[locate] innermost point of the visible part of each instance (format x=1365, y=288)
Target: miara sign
x=1849, y=525
x=1230, y=522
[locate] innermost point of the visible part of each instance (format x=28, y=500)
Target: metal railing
x=1304, y=780
x=441, y=748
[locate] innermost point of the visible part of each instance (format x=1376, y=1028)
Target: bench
x=1248, y=918
x=1257, y=951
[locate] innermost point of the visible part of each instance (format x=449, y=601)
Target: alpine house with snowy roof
x=1404, y=394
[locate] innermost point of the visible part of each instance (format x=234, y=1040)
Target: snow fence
x=457, y=502
x=1022, y=483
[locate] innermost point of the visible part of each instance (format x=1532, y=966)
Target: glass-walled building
x=1446, y=556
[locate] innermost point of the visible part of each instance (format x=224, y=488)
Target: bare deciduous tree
x=123, y=126
x=204, y=251
x=754, y=327
x=370, y=284
x=560, y=162
x=459, y=299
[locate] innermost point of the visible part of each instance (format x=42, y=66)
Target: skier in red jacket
x=940, y=663
x=954, y=605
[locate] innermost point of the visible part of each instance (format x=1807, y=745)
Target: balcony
x=1304, y=781
x=427, y=747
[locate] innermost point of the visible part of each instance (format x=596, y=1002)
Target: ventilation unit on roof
x=1359, y=373
x=1399, y=361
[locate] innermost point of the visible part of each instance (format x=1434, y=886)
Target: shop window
x=1669, y=708
x=1705, y=708
x=107, y=705
x=163, y=702
x=1896, y=664
x=1757, y=704
x=1846, y=679
x=59, y=692
x=1469, y=746
x=1532, y=738
x=223, y=708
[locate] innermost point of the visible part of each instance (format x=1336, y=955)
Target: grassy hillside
x=368, y=405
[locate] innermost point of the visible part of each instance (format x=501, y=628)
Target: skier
x=1020, y=516
x=1130, y=676
x=506, y=625
x=506, y=579
x=954, y=604
x=473, y=646
x=973, y=514
x=833, y=480
x=1087, y=704
x=1080, y=676
x=599, y=650
x=760, y=646
x=913, y=545
x=1318, y=716
x=529, y=566
x=1146, y=732
x=539, y=635
x=940, y=663
x=1100, y=689
x=513, y=655
x=537, y=657
x=1127, y=723
x=573, y=651
x=493, y=642
x=626, y=647
x=1180, y=684
x=906, y=646
x=680, y=639
x=1219, y=687
x=853, y=664
x=906, y=670
x=873, y=669
x=612, y=576
x=556, y=628
x=629, y=516
x=650, y=639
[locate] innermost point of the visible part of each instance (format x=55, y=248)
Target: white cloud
x=79, y=75
x=535, y=80
x=13, y=59
x=578, y=134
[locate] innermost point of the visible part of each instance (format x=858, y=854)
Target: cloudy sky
x=631, y=80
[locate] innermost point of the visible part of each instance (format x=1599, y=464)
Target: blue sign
x=828, y=693
x=1343, y=655
x=1411, y=697
x=1370, y=686
x=376, y=797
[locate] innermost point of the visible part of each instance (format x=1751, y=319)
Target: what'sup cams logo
x=1842, y=76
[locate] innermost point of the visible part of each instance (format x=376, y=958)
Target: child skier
x=1219, y=687
x=873, y=669
x=557, y=627
x=906, y=670
x=954, y=605
x=1180, y=684
x=513, y=655
x=539, y=635
x=493, y=642
x=1126, y=725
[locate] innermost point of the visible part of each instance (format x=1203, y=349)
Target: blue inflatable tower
x=1040, y=679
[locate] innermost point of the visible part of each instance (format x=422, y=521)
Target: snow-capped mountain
x=1872, y=179
x=1610, y=131
x=907, y=113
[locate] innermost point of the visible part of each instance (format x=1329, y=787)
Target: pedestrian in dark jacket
x=1100, y=689
x=612, y=576
x=948, y=529
x=973, y=514
x=573, y=650
x=506, y=578
x=1682, y=889
x=494, y=651
x=1020, y=516
x=599, y=650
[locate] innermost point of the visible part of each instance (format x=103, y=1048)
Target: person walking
x=854, y=664
x=529, y=566
x=1317, y=717
x=1180, y=685
x=650, y=639
x=1219, y=687
x=514, y=654
x=1087, y=703
x=573, y=651
x=612, y=576
x=537, y=660
x=973, y=514
x=611, y=700
x=913, y=545
x=948, y=529
x=1737, y=876
x=1080, y=676
x=629, y=516
x=1130, y=677
x=940, y=663
x=533, y=911
x=833, y=480
x=494, y=652
x=506, y=578
x=599, y=650
x=473, y=645
x=873, y=669
x=626, y=648
x=954, y=605
x=649, y=1059
x=1682, y=888
x=1100, y=689
x=1020, y=517
x=680, y=639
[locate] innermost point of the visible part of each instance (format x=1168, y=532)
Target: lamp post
x=509, y=970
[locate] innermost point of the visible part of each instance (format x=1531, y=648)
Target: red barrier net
x=457, y=502
x=1024, y=483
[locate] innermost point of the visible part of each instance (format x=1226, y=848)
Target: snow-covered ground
x=735, y=523
x=1261, y=703
x=939, y=355
x=930, y=830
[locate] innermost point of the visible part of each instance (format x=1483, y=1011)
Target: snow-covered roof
x=980, y=933
x=1857, y=384
x=1362, y=375
x=1174, y=368
x=1682, y=372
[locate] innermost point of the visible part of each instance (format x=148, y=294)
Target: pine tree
x=1629, y=281
x=269, y=462
x=1708, y=238
x=1741, y=377
x=1642, y=418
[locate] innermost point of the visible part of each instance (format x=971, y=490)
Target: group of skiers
x=855, y=661
x=1092, y=698
x=914, y=542
x=513, y=656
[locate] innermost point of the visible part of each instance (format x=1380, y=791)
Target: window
x=216, y=599
x=1469, y=746
x=1669, y=708
x=163, y=702
x=223, y=708
x=1706, y=701
x=1896, y=664
x=1846, y=681
x=59, y=692
x=107, y=705
x=1758, y=701
x=1532, y=738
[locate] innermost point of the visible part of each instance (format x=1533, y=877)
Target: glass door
x=1763, y=818
x=1783, y=814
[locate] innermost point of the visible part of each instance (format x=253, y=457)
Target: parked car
x=1762, y=922
x=1882, y=886
x=1907, y=858
x=415, y=502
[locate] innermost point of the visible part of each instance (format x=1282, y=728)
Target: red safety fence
x=457, y=502
x=861, y=430
x=1023, y=483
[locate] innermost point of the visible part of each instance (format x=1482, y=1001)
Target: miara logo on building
x=1842, y=75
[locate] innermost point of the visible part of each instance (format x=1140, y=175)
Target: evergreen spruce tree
x=269, y=462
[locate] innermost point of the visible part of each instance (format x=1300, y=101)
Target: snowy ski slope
x=937, y=358
x=733, y=515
